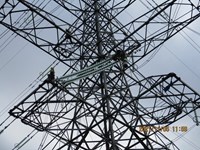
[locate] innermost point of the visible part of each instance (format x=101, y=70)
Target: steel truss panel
x=78, y=121
x=106, y=109
x=69, y=37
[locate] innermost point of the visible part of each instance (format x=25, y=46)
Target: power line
x=186, y=66
x=34, y=83
x=198, y=33
x=30, y=87
x=25, y=140
x=182, y=136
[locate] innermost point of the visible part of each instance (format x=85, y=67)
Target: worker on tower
x=68, y=35
x=51, y=75
x=121, y=55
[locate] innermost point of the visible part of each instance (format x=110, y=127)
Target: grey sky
x=177, y=55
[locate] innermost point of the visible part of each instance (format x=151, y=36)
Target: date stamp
x=163, y=128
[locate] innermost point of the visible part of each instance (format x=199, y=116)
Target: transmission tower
x=102, y=100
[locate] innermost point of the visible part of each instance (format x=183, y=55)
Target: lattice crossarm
x=57, y=40
x=151, y=33
x=165, y=98
x=7, y=8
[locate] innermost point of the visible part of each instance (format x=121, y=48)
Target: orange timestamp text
x=163, y=128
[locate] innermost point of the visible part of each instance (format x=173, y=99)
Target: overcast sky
x=21, y=63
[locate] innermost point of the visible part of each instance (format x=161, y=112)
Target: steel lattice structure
x=104, y=109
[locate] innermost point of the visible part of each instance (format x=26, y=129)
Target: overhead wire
x=19, y=97
x=7, y=42
x=30, y=87
x=182, y=62
x=11, y=39
x=43, y=74
x=25, y=140
x=6, y=126
x=188, y=40
x=24, y=92
x=182, y=136
x=4, y=33
x=158, y=49
x=9, y=60
x=196, y=32
x=44, y=138
x=34, y=83
x=4, y=121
